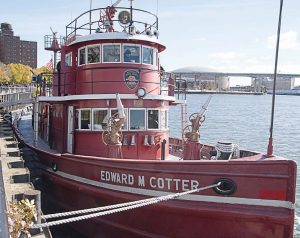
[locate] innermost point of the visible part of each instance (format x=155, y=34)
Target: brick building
x=15, y=50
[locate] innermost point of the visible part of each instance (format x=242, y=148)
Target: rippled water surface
x=245, y=120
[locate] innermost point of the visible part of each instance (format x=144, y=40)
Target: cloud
x=289, y=68
x=231, y=55
x=288, y=40
x=199, y=39
x=266, y=57
x=252, y=61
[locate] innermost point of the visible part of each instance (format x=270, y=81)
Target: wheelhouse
x=100, y=58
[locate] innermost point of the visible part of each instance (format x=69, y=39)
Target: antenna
x=91, y=2
x=131, y=21
x=270, y=145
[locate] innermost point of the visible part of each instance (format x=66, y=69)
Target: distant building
x=14, y=50
x=281, y=83
x=199, y=78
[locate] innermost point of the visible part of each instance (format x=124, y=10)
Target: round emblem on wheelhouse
x=131, y=78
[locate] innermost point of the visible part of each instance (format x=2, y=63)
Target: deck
x=26, y=130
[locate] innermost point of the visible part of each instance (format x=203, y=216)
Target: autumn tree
x=5, y=74
x=19, y=73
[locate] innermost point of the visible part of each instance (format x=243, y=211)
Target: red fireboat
x=101, y=133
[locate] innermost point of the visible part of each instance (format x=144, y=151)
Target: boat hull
x=261, y=206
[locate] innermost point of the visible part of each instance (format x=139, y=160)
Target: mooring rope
x=96, y=209
x=115, y=208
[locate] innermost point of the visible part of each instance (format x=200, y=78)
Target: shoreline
x=224, y=92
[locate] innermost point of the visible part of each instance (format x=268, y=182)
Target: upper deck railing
x=113, y=19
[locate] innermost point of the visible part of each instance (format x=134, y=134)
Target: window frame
x=79, y=119
x=159, y=119
x=100, y=53
x=155, y=57
x=127, y=117
x=102, y=47
x=123, y=51
x=99, y=109
x=166, y=119
x=85, y=55
x=145, y=118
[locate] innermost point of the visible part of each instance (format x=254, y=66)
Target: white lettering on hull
x=177, y=184
x=141, y=181
x=115, y=177
x=157, y=183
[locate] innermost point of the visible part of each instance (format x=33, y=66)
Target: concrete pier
x=3, y=218
x=14, y=180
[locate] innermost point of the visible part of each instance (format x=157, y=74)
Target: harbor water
x=245, y=120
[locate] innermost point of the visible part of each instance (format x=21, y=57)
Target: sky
x=228, y=36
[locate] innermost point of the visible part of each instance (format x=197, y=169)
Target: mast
x=270, y=145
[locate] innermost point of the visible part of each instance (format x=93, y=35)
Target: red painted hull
x=237, y=215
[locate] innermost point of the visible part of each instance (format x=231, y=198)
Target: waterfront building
x=15, y=50
x=201, y=78
x=282, y=83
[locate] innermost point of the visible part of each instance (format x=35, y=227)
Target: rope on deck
x=107, y=210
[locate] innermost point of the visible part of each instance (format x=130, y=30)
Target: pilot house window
x=111, y=53
x=131, y=54
x=93, y=54
x=68, y=59
x=148, y=55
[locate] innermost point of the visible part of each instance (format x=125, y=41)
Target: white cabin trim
x=103, y=97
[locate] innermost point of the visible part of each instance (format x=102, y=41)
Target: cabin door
x=70, y=129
